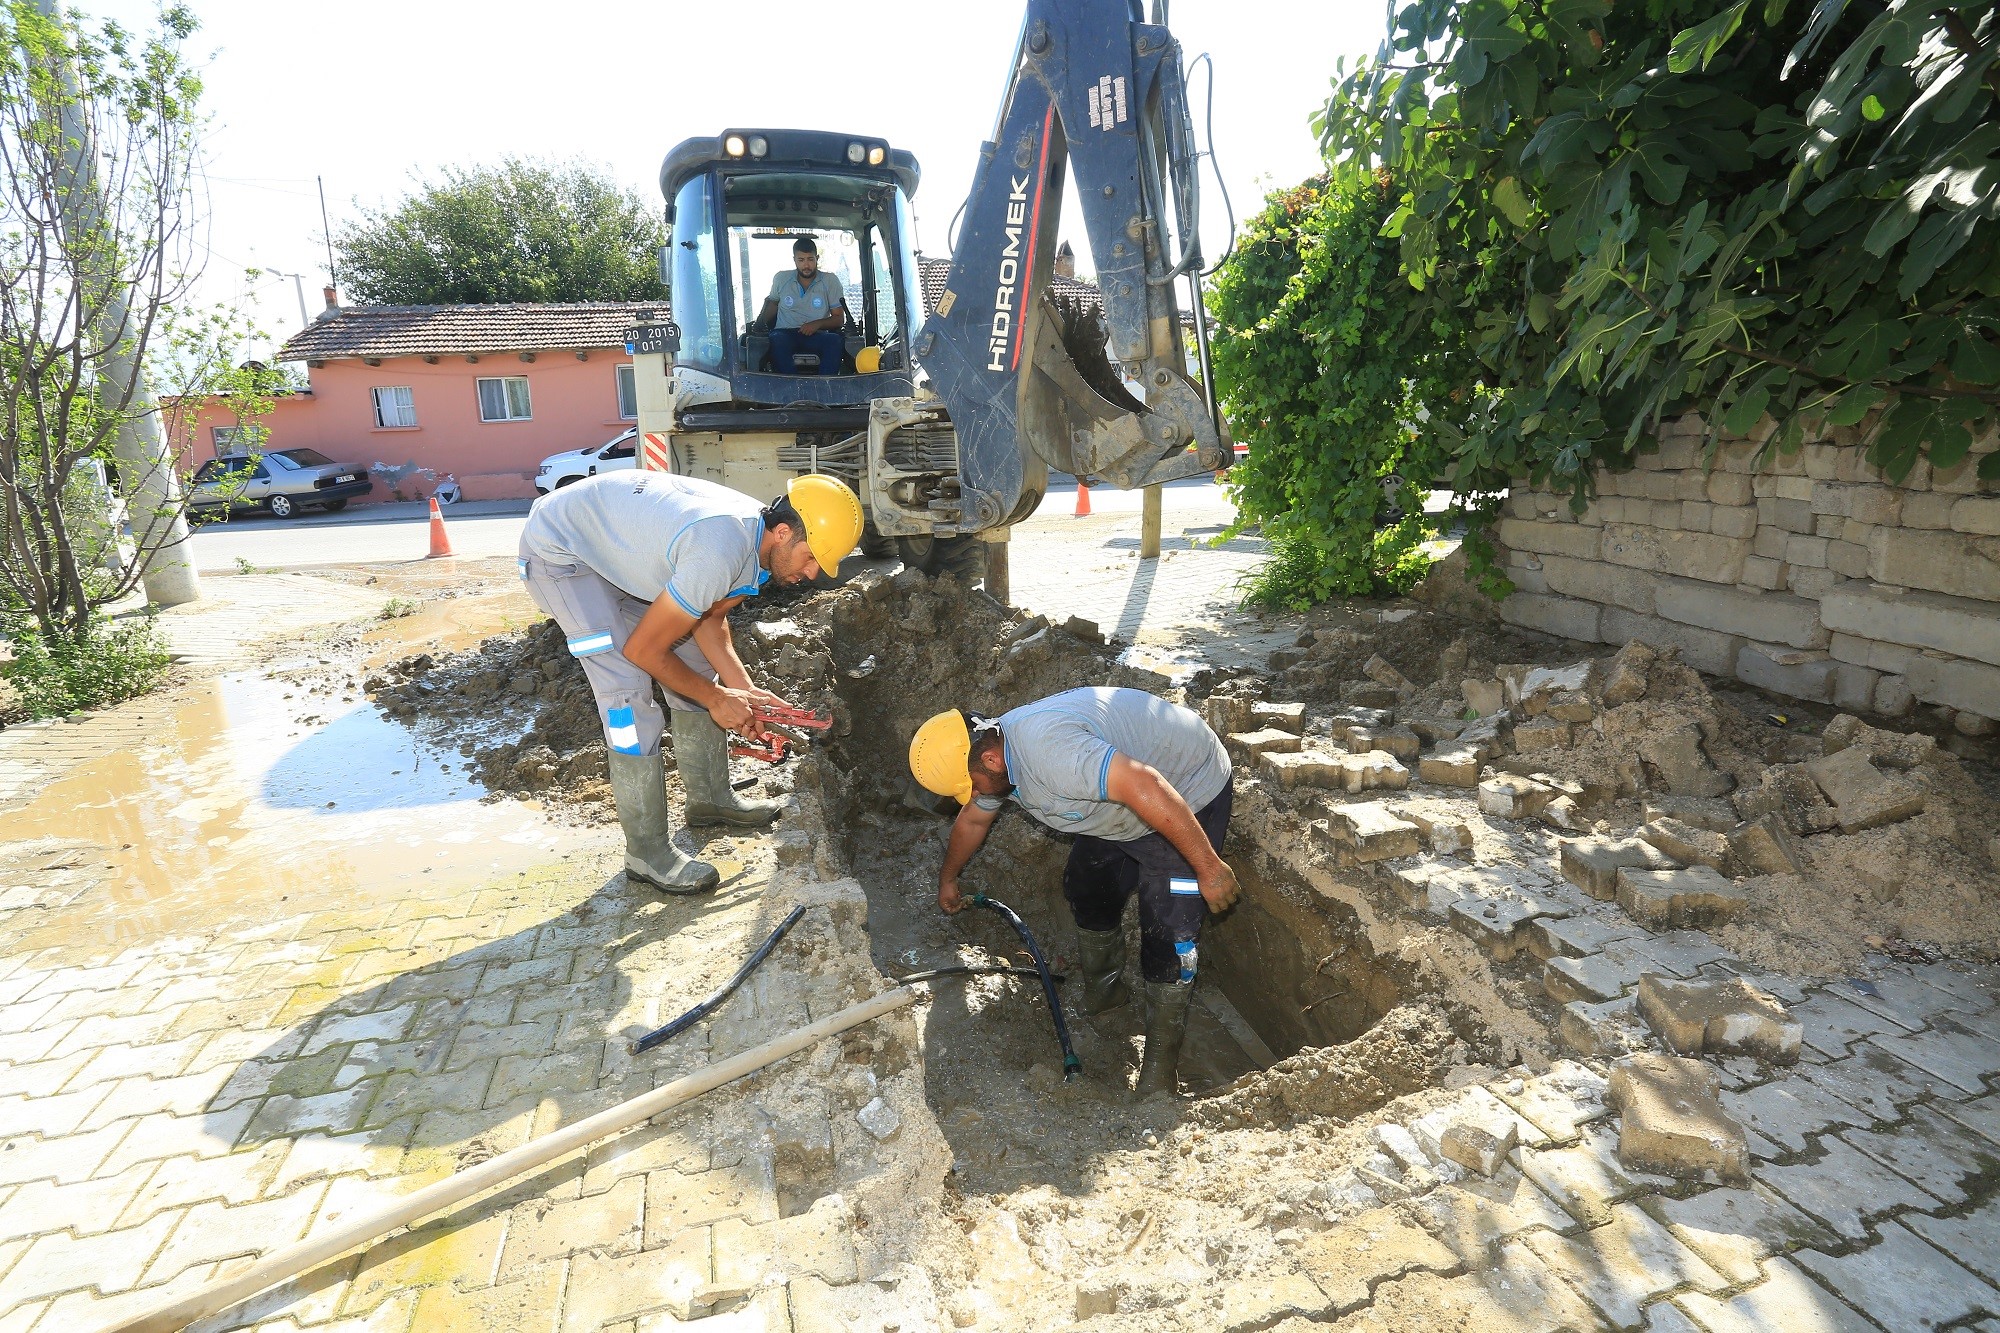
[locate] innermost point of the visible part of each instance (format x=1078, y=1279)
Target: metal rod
x=289, y=1262
x=721, y=993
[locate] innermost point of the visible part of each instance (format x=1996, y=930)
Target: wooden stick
x=219, y=1295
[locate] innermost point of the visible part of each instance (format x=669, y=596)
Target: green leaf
x=1976, y=361
x=1853, y=405
x=1871, y=108
x=1541, y=309
x=1699, y=44
x=1989, y=467
x=1511, y=200
x=1744, y=414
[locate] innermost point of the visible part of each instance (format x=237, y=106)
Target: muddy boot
x=639, y=783
x=1166, y=1026
x=701, y=752
x=1100, y=956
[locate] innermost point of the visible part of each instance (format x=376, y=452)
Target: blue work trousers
x=1102, y=876
x=786, y=342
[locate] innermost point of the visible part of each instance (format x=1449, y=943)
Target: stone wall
x=1812, y=576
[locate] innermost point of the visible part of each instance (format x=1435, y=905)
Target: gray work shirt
x=653, y=532
x=1059, y=753
x=805, y=303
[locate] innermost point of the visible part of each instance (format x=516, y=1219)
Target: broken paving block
x=1446, y=835
x=1698, y=895
x=1370, y=831
x=1570, y=706
x=1625, y=680
x=1434, y=729
x=1477, y=1147
x=1863, y=796
x=1368, y=694
x=1592, y=864
x=1687, y=844
x=1379, y=669
x=1304, y=768
x=1609, y=1028
x=1494, y=924
x=1719, y=1016
x=1399, y=741
x=1766, y=847
x=1376, y=770
x=1249, y=744
x=1227, y=714
x=1538, y=688
x=1572, y=937
x=1541, y=733
x=1671, y=1118
x=1709, y=812
x=1677, y=756
x=1788, y=791
x=1285, y=717
x=1484, y=697
x=1452, y=766
x=1564, y=813
x=1511, y=796
x=1594, y=978
x=1087, y=630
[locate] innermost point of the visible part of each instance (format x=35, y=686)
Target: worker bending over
x=1144, y=786
x=641, y=570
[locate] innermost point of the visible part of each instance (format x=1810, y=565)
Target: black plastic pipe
x=708, y=1006
x=1071, y=1065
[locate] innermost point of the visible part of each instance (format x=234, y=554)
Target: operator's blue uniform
x=806, y=303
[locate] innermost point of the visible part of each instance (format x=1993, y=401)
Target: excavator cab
x=739, y=202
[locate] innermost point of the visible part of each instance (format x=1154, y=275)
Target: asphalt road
x=372, y=534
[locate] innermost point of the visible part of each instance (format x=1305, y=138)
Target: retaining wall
x=1811, y=575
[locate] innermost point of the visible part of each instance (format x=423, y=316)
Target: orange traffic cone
x=440, y=539
x=1082, y=499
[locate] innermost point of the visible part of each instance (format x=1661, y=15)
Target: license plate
x=346, y=477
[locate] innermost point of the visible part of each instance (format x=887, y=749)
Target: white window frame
x=400, y=402
x=225, y=439
x=625, y=383
x=525, y=410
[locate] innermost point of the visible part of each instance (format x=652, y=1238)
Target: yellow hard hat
x=832, y=515
x=939, y=756
x=867, y=361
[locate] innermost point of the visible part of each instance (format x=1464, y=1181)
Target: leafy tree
x=1326, y=374
x=1752, y=209
x=98, y=132
x=519, y=231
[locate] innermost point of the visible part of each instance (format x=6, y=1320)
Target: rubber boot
x=701, y=752
x=1100, y=956
x=639, y=783
x=1166, y=1027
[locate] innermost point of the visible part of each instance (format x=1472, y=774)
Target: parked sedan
x=615, y=455
x=284, y=481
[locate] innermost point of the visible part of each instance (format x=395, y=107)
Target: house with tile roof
x=478, y=393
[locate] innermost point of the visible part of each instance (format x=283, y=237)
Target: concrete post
x=1149, y=523
x=145, y=462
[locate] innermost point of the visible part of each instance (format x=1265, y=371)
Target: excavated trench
x=1280, y=972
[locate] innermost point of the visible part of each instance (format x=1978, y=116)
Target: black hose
x=708, y=1006
x=988, y=969
x=1071, y=1065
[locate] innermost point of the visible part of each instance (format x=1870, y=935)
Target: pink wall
x=575, y=403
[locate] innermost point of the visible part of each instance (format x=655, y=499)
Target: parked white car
x=615, y=455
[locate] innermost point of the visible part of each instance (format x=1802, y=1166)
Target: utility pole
x=299, y=290
x=145, y=463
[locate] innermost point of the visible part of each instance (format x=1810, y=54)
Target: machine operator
x=641, y=569
x=1144, y=785
x=805, y=312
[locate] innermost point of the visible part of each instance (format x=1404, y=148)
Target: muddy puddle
x=255, y=791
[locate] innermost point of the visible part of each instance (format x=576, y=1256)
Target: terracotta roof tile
x=452, y=330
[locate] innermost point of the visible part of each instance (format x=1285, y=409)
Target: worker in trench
x=641, y=570
x=1144, y=786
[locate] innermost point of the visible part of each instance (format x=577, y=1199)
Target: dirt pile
x=1409, y=1049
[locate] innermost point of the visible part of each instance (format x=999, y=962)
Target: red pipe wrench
x=782, y=721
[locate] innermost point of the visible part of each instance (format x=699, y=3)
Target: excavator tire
x=873, y=544
x=964, y=558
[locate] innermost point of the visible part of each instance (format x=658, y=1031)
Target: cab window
x=696, y=296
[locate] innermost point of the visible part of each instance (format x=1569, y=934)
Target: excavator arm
x=1029, y=382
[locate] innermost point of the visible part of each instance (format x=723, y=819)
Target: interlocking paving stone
x=61, y=1262
x=1931, y=1149
x=1735, y=1230
x=1681, y=953
x=1560, y=1101
x=1981, y=1115
x=1620, y=1265
x=1874, y=1082
x=1973, y=1240
x=1786, y=1301
x=1786, y=1110
x=1588, y=1179
x=1844, y=1187
x=1896, y=996
x=1953, y=1053
x=1472, y=1214
x=1974, y=994
x=1833, y=1024
x=1902, y=1282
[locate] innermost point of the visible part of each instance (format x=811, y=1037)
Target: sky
x=372, y=96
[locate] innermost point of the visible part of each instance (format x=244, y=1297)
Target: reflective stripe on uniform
x=524, y=567
x=1184, y=887
x=583, y=645
x=621, y=730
